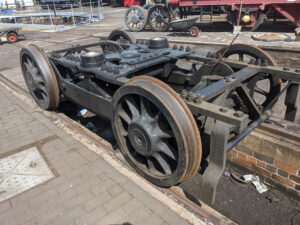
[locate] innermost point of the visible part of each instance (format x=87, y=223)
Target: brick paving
x=86, y=190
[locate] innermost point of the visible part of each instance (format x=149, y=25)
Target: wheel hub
x=135, y=19
x=159, y=19
x=31, y=81
x=140, y=138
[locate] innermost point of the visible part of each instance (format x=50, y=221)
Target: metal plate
x=22, y=171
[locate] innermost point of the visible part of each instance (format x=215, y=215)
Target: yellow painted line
x=39, y=30
x=32, y=29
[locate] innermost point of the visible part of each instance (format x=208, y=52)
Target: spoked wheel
x=156, y=132
x=39, y=77
x=12, y=37
x=124, y=38
x=110, y=46
x=159, y=18
x=262, y=87
x=135, y=18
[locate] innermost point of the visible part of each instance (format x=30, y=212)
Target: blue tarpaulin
x=6, y=12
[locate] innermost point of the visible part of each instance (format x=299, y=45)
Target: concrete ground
x=9, y=67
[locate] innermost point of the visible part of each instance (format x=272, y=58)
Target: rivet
x=238, y=114
x=223, y=109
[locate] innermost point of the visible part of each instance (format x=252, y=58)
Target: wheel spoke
x=150, y=164
x=157, y=117
x=124, y=116
x=43, y=90
x=164, y=134
x=241, y=57
x=132, y=107
x=167, y=149
x=143, y=106
x=163, y=163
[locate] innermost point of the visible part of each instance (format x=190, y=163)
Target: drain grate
x=21, y=171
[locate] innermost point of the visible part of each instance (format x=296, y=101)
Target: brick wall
x=276, y=162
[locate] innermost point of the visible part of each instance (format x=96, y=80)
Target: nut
x=184, y=94
x=191, y=96
x=198, y=99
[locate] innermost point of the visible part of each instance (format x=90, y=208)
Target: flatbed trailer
x=10, y=34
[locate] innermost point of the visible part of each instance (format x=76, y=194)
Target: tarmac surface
x=242, y=204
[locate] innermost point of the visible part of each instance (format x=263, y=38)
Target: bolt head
x=223, y=109
x=198, y=99
x=238, y=114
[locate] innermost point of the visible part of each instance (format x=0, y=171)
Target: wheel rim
x=150, y=135
x=193, y=32
x=39, y=77
x=135, y=18
x=12, y=38
x=271, y=83
x=159, y=18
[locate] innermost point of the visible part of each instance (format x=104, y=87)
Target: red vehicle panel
x=252, y=12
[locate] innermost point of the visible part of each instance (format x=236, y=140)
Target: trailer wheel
x=159, y=18
x=135, y=18
x=12, y=37
x=156, y=132
x=263, y=87
x=39, y=77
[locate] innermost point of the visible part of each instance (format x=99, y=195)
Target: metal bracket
x=291, y=99
x=217, y=162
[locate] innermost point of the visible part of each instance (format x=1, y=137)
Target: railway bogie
x=170, y=121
